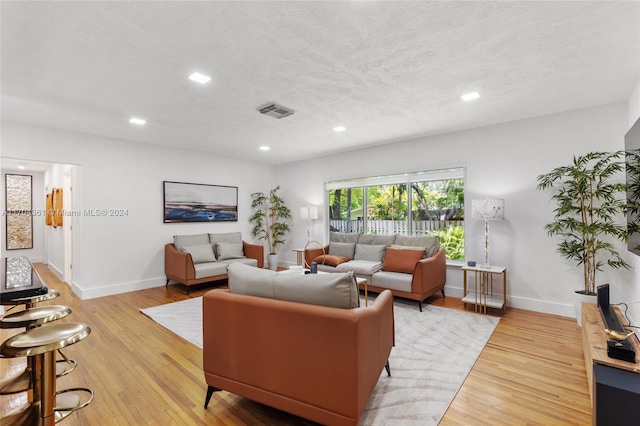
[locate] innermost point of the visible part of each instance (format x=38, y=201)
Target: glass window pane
x=387, y=210
x=345, y=210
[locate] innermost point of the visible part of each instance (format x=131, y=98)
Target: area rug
x=435, y=350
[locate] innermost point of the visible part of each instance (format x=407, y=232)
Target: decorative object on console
x=270, y=221
x=195, y=202
x=487, y=209
x=309, y=213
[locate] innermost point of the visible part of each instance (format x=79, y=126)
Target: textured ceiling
x=387, y=71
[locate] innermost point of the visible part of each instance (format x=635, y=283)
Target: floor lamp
x=309, y=213
x=487, y=209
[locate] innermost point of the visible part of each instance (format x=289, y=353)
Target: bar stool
x=42, y=343
x=31, y=318
x=30, y=302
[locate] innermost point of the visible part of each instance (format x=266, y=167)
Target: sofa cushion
x=228, y=238
x=402, y=260
x=180, y=241
x=244, y=260
x=342, y=249
x=423, y=250
x=341, y=237
x=330, y=259
x=376, y=239
x=244, y=279
x=371, y=252
x=201, y=253
x=333, y=290
x=392, y=281
x=229, y=251
x=209, y=269
x=430, y=243
x=360, y=267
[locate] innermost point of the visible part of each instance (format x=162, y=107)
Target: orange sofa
x=181, y=267
x=316, y=362
x=417, y=279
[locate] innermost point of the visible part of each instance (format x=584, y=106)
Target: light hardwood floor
x=531, y=371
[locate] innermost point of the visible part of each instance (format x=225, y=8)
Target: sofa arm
x=254, y=251
x=310, y=254
x=430, y=274
x=178, y=264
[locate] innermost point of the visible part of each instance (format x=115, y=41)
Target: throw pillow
x=329, y=259
x=180, y=241
x=229, y=251
x=342, y=249
x=201, y=253
x=374, y=253
x=422, y=249
x=401, y=260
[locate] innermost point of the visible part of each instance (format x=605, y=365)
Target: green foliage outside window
x=452, y=239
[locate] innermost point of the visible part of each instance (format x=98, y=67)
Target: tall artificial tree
x=589, y=203
x=270, y=218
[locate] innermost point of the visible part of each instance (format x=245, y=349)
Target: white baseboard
x=56, y=271
x=525, y=303
x=110, y=290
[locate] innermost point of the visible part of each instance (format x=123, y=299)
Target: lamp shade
x=309, y=212
x=487, y=209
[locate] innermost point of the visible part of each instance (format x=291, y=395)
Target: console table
x=614, y=385
x=482, y=295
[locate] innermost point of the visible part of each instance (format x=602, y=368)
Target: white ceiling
x=387, y=71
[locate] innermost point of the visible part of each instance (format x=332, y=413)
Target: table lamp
x=309, y=213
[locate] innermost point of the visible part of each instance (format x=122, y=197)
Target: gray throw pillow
x=342, y=249
x=370, y=252
x=180, y=241
x=201, y=253
x=229, y=251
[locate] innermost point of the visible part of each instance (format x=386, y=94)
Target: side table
x=482, y=295
x=299, y=256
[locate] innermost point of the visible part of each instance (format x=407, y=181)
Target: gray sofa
x=411, y=267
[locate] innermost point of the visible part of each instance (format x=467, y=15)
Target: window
x=419, y=203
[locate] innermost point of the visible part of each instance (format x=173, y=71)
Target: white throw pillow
x=200, y=253
x=229, y=251
x=342, y=249
x=370, y=252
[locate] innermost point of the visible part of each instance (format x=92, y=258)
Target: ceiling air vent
x=274, y=110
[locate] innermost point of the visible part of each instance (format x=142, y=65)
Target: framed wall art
x=18, y=207
x=195, y=202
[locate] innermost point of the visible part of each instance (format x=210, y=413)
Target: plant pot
x=272, y=260
x=578, y=298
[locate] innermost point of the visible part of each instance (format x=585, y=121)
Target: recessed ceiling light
x=199, y=78
x=22, y=166
x=138, y=121
x=265, y=148
x=339, y=129
x=470, y=96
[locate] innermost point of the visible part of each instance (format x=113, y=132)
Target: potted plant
x=270, y=221
x=589, y=203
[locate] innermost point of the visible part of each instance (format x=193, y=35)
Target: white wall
x=35, y=254
x=118, y=254
x=501, y=161
x=632, y=294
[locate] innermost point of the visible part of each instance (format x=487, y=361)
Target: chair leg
x=443, y=292
x=210, y=391
x=386, y=367
x=167, y=284
x=420, y=305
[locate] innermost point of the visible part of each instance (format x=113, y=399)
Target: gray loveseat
x=411, y=267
